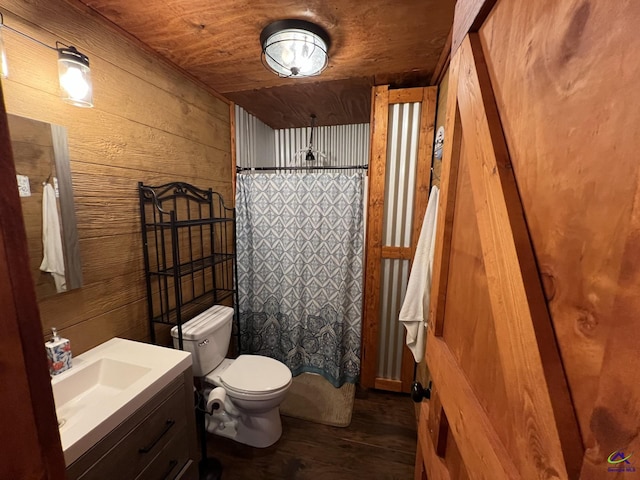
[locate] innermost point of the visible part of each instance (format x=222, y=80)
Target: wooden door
x=29, y=430
x=501, y=406
x=402, y=130
x=536, y=284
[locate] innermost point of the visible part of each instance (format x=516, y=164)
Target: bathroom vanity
x=154, y=442
x=125, y=411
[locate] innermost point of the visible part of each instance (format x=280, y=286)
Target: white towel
x=414, y=313
x=53, y=256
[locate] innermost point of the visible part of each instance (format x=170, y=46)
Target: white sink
x=86, y=388
x=106, y=385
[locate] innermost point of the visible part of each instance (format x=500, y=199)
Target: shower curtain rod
x=342, y=167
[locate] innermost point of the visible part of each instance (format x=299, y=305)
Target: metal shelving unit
x=189, y=238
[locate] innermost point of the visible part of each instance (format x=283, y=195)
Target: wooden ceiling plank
x=226, y=43
x=396, y=43
x=333, y=103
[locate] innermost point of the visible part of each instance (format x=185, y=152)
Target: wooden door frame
x=233, y=152
x=32, y=446
x=381, y=98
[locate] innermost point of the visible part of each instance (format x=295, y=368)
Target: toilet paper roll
x=215, y=400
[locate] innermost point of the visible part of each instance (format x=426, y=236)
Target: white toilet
x=243, y=395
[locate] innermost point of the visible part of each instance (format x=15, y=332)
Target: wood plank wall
x=150, y=123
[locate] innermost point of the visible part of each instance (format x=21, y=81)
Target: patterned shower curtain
x=300, y=270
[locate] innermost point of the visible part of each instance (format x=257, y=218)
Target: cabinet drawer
x=134, y=452
x=170, y=461
x=189, y=471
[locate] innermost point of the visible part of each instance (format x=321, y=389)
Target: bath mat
x=313, y=398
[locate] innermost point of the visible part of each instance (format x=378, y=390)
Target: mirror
x=41, y=157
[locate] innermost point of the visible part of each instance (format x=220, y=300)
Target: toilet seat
x=255, y=375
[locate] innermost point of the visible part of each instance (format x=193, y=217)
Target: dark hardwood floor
x=379, y=444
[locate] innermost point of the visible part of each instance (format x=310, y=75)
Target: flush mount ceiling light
x=295, y=48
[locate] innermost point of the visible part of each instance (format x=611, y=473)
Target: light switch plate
x=23, y=186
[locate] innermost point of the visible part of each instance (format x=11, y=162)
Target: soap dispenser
x=58, y=353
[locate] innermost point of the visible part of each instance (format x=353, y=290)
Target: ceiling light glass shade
x=75, y=77
x=4, y=66
x=295, y=48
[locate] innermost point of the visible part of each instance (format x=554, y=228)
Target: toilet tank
x=207, y=337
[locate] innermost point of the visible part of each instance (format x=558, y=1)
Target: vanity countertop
x=106, y=385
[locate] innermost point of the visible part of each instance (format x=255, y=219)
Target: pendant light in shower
x=310, y=157
x=310, y=153
x=295, y=48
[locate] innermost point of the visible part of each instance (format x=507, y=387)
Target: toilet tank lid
x=205, y=323
x=256, y=374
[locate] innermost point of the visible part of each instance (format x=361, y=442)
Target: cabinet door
x=501, y=407
x=139, y=441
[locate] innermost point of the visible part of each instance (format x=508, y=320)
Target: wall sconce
x=75, y=76
x=294, y=48
x=73, y=69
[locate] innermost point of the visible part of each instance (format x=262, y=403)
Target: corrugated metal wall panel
x=255, y=141
x=342, y=145
x=402, y=156
x=395, y=274
x=258, y=145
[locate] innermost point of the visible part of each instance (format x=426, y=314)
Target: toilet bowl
x=254, y=386
x=243, y=395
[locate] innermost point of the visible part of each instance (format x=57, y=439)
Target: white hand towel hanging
x=414, y=313
x=53, y=256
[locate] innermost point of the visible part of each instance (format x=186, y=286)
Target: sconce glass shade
x=4, y=66
x=295, y=48
x=75, y=77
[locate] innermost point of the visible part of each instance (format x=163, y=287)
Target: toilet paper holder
x=216, y=400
